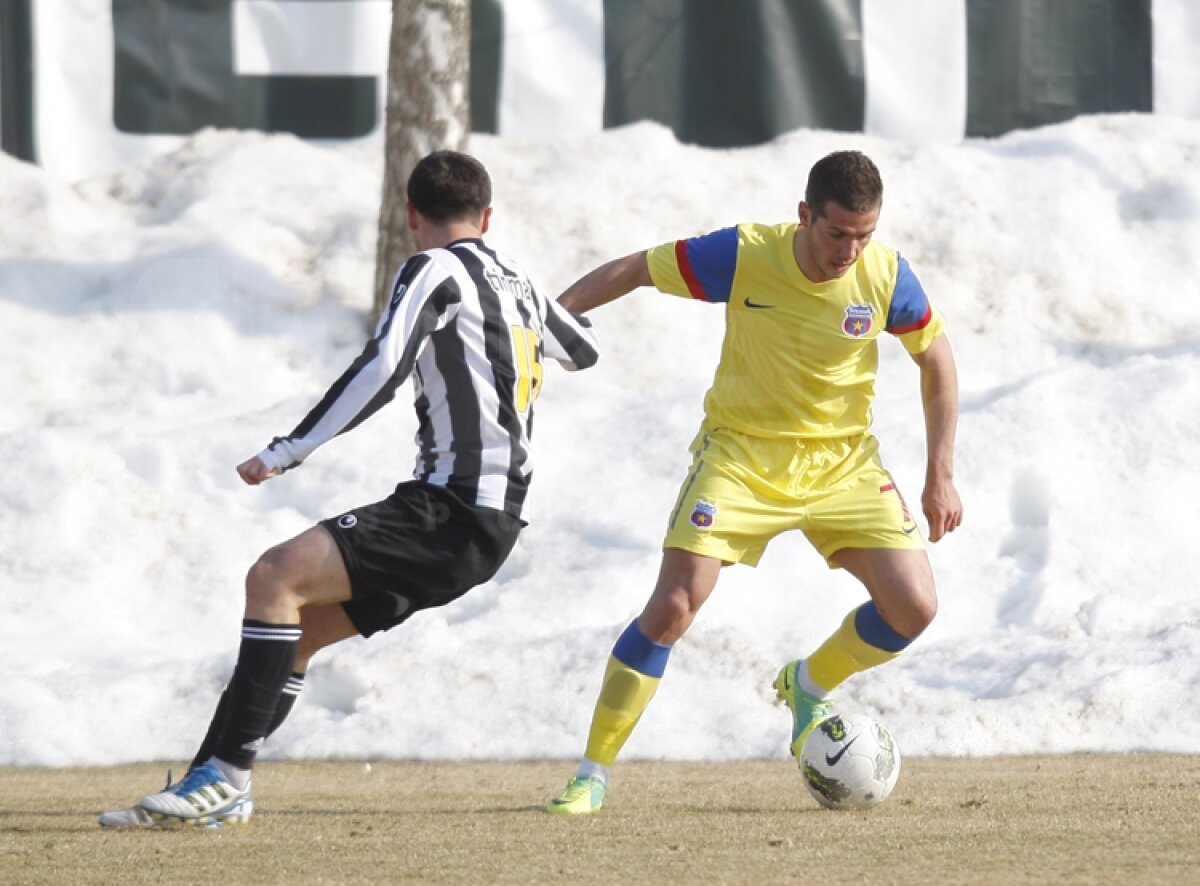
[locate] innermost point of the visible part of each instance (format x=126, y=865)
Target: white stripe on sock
x=589, y=769
x=805, y=682
x=257, y=633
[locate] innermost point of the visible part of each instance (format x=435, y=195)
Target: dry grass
x=1072, y=819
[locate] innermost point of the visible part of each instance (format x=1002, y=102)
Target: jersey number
x=529, y=366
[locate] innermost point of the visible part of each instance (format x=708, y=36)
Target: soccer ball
x=850, y=761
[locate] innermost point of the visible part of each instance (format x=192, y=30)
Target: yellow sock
x=846, y=652
x=623, y=697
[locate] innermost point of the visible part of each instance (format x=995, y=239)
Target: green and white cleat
x=808, y=711
x=583, y=796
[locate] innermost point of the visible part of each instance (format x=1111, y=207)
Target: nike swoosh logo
x=832, y=761
x=908, y=531
x=753, y=304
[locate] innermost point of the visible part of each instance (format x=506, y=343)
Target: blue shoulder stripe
x=707, y=264
x=910, y=308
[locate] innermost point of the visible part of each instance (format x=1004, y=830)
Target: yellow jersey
x=799, y=358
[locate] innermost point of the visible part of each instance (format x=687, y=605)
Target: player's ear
x=485, y=220
x=413, y=220
x=805, y=213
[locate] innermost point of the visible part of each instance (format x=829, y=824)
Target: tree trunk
x=428, y=109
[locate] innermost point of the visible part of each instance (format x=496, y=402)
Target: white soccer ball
x=850, y=761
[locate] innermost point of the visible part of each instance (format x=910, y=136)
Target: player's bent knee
x=268, y=581
x=924, y=616
x=667, y=618
x=917, y=615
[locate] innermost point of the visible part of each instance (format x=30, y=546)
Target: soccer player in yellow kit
x=785, y=443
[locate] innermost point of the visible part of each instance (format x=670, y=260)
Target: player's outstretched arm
x=939, y=396
x=607, y=283
x=253, y=471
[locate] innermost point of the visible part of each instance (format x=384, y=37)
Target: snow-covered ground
x=162, y=323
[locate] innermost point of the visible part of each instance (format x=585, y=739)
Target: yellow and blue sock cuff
x=635, y=650
x=874, y=631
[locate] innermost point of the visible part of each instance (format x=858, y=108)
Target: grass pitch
x=1130, y=818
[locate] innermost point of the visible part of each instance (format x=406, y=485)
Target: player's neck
x=803, y=257
x=429, y=234
x=440, y=236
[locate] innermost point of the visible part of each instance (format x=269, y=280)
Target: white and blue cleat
x=203, y=799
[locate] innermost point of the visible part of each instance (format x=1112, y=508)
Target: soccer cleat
x=137, y=817
x=203, y=799
x=807, y=710
x=583, y=796
x=132, y=817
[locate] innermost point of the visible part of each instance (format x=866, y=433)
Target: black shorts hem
x=420, y=548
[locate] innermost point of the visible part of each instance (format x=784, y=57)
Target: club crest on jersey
x=858, y=320
x=704, y=514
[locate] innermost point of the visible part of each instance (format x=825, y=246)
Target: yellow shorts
x=743, y=491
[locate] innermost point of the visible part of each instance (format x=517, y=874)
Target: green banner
x=723, y=74
x=1035, y=62
x=16, y=79
x=173, y=74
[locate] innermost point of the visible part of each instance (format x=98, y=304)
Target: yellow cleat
x=807, y=710
x=583, y=796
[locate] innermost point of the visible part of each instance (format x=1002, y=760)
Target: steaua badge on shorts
x=704, y=514
x=858, y=320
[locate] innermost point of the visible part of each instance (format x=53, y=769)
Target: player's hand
x=942, y=506
x=253, y=471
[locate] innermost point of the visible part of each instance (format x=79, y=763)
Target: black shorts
x=419, y=548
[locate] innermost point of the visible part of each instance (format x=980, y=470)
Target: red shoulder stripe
x=919, y=324
x=689, y=275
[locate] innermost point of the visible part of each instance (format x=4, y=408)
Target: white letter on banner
x=552, y=72
x=916, y=69
x=1176, y=59
x=311, y=37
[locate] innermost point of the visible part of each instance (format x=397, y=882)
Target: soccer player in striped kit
x=785, y=443
x=466, y=324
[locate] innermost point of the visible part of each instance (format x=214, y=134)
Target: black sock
x=264, y=663
x=291, y=691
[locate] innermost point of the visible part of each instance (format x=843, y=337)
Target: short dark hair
x=848, y=178
x=448, y=186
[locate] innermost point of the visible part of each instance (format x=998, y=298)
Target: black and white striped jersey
x=468, y=326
